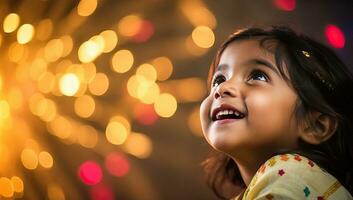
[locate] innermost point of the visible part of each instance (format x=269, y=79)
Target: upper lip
x=224, y=106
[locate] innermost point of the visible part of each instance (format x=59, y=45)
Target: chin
x=224, y=145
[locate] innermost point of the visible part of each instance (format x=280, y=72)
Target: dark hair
x=322, y=82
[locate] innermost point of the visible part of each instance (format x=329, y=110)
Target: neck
x=248, y=165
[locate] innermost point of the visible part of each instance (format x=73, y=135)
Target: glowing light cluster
x=30, y=159
x=10, y=187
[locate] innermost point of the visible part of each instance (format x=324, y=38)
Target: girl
x=280, y=116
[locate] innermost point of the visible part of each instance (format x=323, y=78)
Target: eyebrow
x=257, y=61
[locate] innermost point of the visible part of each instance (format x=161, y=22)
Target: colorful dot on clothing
x=284, y=157
x=298, y=158
x=306, y=191
x=269, y=196
x=262, y=168
x=271, y=162
x=320, y=198
x=281, y=172
x=311, y=163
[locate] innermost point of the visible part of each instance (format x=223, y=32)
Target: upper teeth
x=227, y=112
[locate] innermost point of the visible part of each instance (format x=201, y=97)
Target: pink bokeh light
x=90, y=172
x=335, y=36
x=285, y=5
x=117, y=164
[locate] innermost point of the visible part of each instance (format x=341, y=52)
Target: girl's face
x=247, y=80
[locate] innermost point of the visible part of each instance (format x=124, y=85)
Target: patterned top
x=292, y=176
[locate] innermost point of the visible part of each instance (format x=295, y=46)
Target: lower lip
x=225, y=121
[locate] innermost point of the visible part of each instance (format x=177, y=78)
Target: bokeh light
x=139, y=145
x=122, y=61
x=164, y=67
x=45, y=159
x=11, y=22
x=117, y=164
x=84, y=106
x=29, y=159
x=335, y=36
x=90, y=172
x=6, y=187
x=25, y=33
x=116, y=133
x=203, y=36
x=99, y=84
x=86, y=7
x=285, y=5
x=69, y=84
x=165, y=105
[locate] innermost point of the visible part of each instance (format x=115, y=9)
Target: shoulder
x=292, y=176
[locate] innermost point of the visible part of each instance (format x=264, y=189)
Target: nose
x=225, y=89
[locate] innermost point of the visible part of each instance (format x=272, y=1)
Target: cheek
x=270, y=112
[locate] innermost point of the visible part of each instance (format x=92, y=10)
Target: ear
x=324, y=127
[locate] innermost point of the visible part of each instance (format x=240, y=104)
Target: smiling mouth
x=226, y=112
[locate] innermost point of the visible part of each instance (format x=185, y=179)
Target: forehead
x=244, y=50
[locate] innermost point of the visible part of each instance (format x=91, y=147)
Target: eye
x=218, y=80
x=258, y=75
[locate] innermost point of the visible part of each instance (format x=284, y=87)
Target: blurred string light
x=285, y=5
x=62, y=81
x=335, y=36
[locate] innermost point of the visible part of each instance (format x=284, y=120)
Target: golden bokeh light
x=86, y=7
x=47, y=109
x=139, y=145
x=69, y=84
x=90, y=70
x=29, y=159
x=11, y=22
x=84, y=106
x=133, y=84
x=25, y=33
x=17, y=183
x=122, y=61
x=116, y=133
x=99, y=85
x=129, y=25
x=45, y=159
x=203, y=36
x=164, y=67
x=148, y=92
x=147, y=71
x=6, y=187
x=110, y=40
x=91, y=49
x=123, y=120
x=165, y=105
x=38, y=68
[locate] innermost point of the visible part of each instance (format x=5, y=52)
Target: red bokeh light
x=146, y=30
x=117, y=164
x=334, y=36
x=101, y=192
x=145, y=114
x=285, y=5
x=90, y=173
